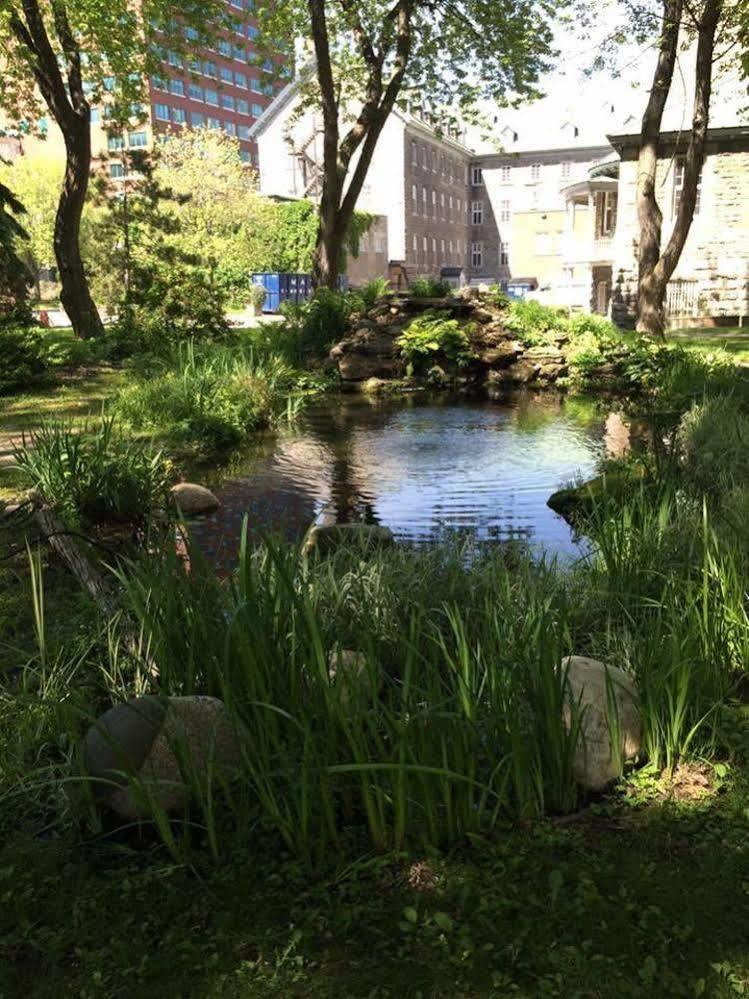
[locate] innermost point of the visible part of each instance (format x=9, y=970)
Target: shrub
x=498, y=297
x=372, y=291
x=23, y=358
x=713, y=446
x=95, y=475
x=257, y=297
x=319, y=322
x=534, y=323
x=210, y=399
x=425, y=287
x=601, y=329
x=431, y=335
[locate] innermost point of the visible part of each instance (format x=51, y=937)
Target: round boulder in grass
x=610, y=721
x=193, y=499
x=322, y=539
x=357, y=682
x=158, y=749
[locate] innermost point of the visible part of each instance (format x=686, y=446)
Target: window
x=177, y=87
x=566, y=170
x=679, y=187
x=424, y=201
x=211, y=96
x=191, y=34
x=442, y=247
x=257, y=110
x=209, y=69
x=414, y=198
x=245, y=155
x=136, y=140
x=174, y=59
x=477, y=212
x=415, y=245
x=535, y=171
x=195, y=92
x=424, y=243
x=477, y=176
x=227, y=76
x=414, y=153
x=477, y=254
x=434, y=204
x=227, y=101
x=268, y=65
x=161, y=112
x=442, y=204
x=434, y=245
x=213, y=122
x=504, y=211
x=450, y=245
x=117, y=141
x=605, y=213
x=240, y=80
x=224, y=48
x=179, y=115
x=230, y=128
x=159, y=83
x=504, y=254
x=504, y=173
x=255, y=85
x=95, y=116
x=251, y=31
x=243, y=106
x=243, y=131
x=240, y=52
x=116, y=170
x=197, y=119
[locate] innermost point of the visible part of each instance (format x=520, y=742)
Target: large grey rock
x=159, y=750
x=608, y=737
x=194, y=499
x=322, y=539
x=368, y=352
x=502, y=355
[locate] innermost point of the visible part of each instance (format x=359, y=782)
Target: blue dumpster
x=287, y=287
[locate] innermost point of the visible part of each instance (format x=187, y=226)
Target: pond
x=426, y=468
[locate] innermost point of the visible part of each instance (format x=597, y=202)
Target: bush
x=713, y=446
x=95, y=475
x=430, y=336
x=423, y=287
x=210, y=399
x=319, y=322
x=23, y=358
x=535, y=324
x=373, y=291
x=257, y=297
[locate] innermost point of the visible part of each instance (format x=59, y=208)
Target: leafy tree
x=373, y=53
x=706, y=27
x=14, y=275
x=68, y=56
x=35, y=180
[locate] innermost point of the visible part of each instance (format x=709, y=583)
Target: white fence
x=682, y=298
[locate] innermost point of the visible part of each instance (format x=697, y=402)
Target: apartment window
x=424, y=156
x=424, y=201
x=243, y=106
x=227, y=76
x=450, y=245
x=434, y=245
x=245, y=156
x=174, y=59
x=195, y=92
x=415, y=198
x=442, y=247
x=161, y=112
x=177, y=87
x=434, y=204
x=565, y=170
x=95, y=116
x=159, y=83
x=459, y=205
x=477, y=212
x=116, y=170
x=251, y=31
x=442, y=204
x=136, y=140
x=535, y=171
x=224, y=48
x=115, y=142
x=451, y=205
x=211, y=96
x=257, y=110
x=268, y=65
x=197, y=119
x=243, y=131
x=209, y=69
x=477, y=176
x=191, y=34
x=505, y=173
x=212, y=122
x=240, y=52
x=415, y=246
x=240, y=80
x=504, y=211
x=179, y=115
x=255, y=85
x=504, y=254
x=227, y=101
x=606, y=213
x=679, y=187
x=425, y=244
x=414, y=153
x=230, y=128
x=477, y=254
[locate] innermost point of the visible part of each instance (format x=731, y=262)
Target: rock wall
x=370, y=350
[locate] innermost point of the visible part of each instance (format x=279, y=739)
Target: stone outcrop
x=322, y=539
x=152, y=752
x=604, y=699
x=192, y=499
x=499, y=359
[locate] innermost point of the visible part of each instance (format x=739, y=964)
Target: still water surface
x=424, y=468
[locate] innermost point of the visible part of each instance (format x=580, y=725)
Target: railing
x=682, y=298
x=588, y=251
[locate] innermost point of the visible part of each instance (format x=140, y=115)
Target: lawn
x=733, y=339
x=644, y=896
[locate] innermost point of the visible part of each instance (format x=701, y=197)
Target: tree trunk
x=75, y=294
x=326, y=263
x=650, y=295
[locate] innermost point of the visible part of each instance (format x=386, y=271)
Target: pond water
x=425, y=468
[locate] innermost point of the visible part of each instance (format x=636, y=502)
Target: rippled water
x=423, y=468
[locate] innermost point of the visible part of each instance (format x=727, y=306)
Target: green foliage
x=35, y=179
x=258, y=295
x=14, y=274
x=23, y=358
x=95, y=474
x=712, y=441
x=431, y=336
x=534, y=323
x=498, y=297
x=319, y=322
x=426, y=287
x=208, y=399
x=372, y=291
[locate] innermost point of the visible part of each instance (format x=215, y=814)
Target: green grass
x=732, y=339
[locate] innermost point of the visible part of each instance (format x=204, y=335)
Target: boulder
x=159, y=749
x=523, y=371
x=350, y=673
x=502, y=355
x=575, y=503
x=193, y=499
x=609, y=736
x=482, y=316
x=322, y=539
x=368, y=352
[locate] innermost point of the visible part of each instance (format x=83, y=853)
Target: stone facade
x=711, y=281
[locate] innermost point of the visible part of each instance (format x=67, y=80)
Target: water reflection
x=424, y=468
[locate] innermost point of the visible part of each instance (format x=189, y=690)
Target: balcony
x=594, y=250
